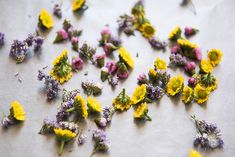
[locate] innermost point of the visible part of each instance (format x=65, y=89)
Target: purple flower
x=142, y=79
x=154, y=93
x=105, y=31
x=48, y=126
x=101, y=122
x=105, y=35
x=6, y=121
x=112, y=67
x=77, y=63
x=38, y=40
x=99, y=59
x=108, y=48
x=68, y=126
x=116, y=41
x=19, y=50
x=113, y=80
x=175, y=49
x=122, y=71
x=57, y=11
x=157, y=44
x=108, y=113
x=29, y=40
x=189, y=67
x=192, y=81
x=178, y=59
x=198, y=54
x=61, y=36
x=82, y=139
x=189, y=31
x=102, y=143
x=74, y=42
x=2, y=36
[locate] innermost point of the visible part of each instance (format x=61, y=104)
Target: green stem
x=148, y=118
x=61, y=147
x=70, y=110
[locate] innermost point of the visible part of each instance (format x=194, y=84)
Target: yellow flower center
x=213, y=56
x=202, y=94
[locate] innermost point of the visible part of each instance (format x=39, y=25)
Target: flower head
x=125, y=56
x=77, y=63
x=78, y=4
x=186, y=44
x=214, y=56
x=175, y=85
x=142, y=79
x=187, y=94
x=122, y=101
x=61, y=36
x=175, y=49
x=111, y=66
x=157, y=44
x=208, y=80
x=194, y=153
x=93, y=105
x=141, y=112
x=160, y=64
x=99, y=59
x=175, y=34
x=192, y=81
x=197, y=53
x=17, y=111
x=147, y=30
x=189, y=31
x=205, y=66
x=139, y=94
x=201, y=94
x=45, y=19
x=190, y=67
x=80, y=106
x=57, y=10
x=122, y=71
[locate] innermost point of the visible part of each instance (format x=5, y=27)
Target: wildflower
x=175, y=34
x=190, y=67
x=208, y=134
x=81, y=139
x=2, y=36
x=74, y=42
x=106, y=117
x=142, y=79
x=87, y=52
x=48, y=126
x=194, y=153
x=126, y=24
x=139, y=94
x=104, y=73
x=77, y=63
x=152, y=75
x=105, y=35
x=201, y=94
x=63, y=135
x=147, y=30
x=154, y=93
x=141, y=112
x=99, y=59
x=78, y=5
x=177, y=60
x=112, y=67
x=19, y=50
x=38, y=40
x=175, y=85
x=160, y=64
x=45, y=20
x=57, y=10
x=175, y=49
x=122, y=71
x=205, y=66
x=209, y=81
x=62, y=69
x=93, y=105
x=157, y=44
x=187, y=94
x=79, y=106
x=214, y=56
x=138, y=9
x=189, y=31
x=197, y=54
x=92, y=88
x=192, y=81
x=61, y=36
x=125, y=56
x=122, y=101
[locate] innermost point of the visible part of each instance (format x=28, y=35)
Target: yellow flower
x=80, y=105
x=93, y=105
x=175, y=85
x=205, y=66
x=141, y=112
x=147, y=30
x=17, y=111
x=46, y=19
x=186, y=44
x=152, y=72
x=62, y=70
x=187, y=94
x=175, y=34
x=214, y=56
x=122, y=101
x=139, y=94
x=125, y=56
x=201, y=94
x=160, y=64
x=194, y=153
x=78, y=4
x=64, y=134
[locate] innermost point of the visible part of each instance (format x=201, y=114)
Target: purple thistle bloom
x=38, y=41
x=6, y=121
x=190, y=67
x=157, y=44
x=2, y=36
x=77, y=63
x=29, y=40
x=112, y=67
x=19, y=50
x=192, y=81
x=142, y=79
x=57, y=11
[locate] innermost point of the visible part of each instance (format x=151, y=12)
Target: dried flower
x=45, y=20
x=214, y=56
x=142, y=79
x=141, y=112
x=139, y=94
x=122, y=72
x=122, y=101
x=189, y=31
x=154, y=93
x=77, y=63
x=190, y=67
x=82, y=139
x=52, y=86
x=99, y=59
x=112, y=67
x=175, y=85
x=91, y=88
x=74, y=42
x=19, y=50
x=177, y=59
x=2, y=36
x=105, y=35
x=104, y=73
x=67, y=25
x=113, y=80
x=109, y=48
x=87, y=52
x=61, y=36
x=147, y=30
x=48, y=126
x=38, y=41
x=208, y=135
x=197, y=54
x=138, y=9
x=69, y=95
x=175, y=49
x=157, y=44
x=57, y=10
x=126, y=24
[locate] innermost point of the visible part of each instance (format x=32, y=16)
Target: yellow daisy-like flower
x=175, y=34
x=160, y=64
x=186, y=44
x=214, y=56
x=64, y=134
x=125, y=56
x=152, y=72
x=175, y=85
x=194, y=153
x=80, y=106
x=93, y=105
x=62, y=70
x=46, y=19
x=213, y=86
x=187, y=94
x=139, y=94
x=141, y=112
x=122, y=101
x=201, y=94
x=78, y=4
x=147, y=30
x=205, y=66
x=17, y=111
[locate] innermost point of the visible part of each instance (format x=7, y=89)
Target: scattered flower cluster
x=91, y=88
x=109, y=42
x=17, y=115
x=208, y=135
x=68, y=32
x=51, y=85
x=45, y=20
x=20, y=49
